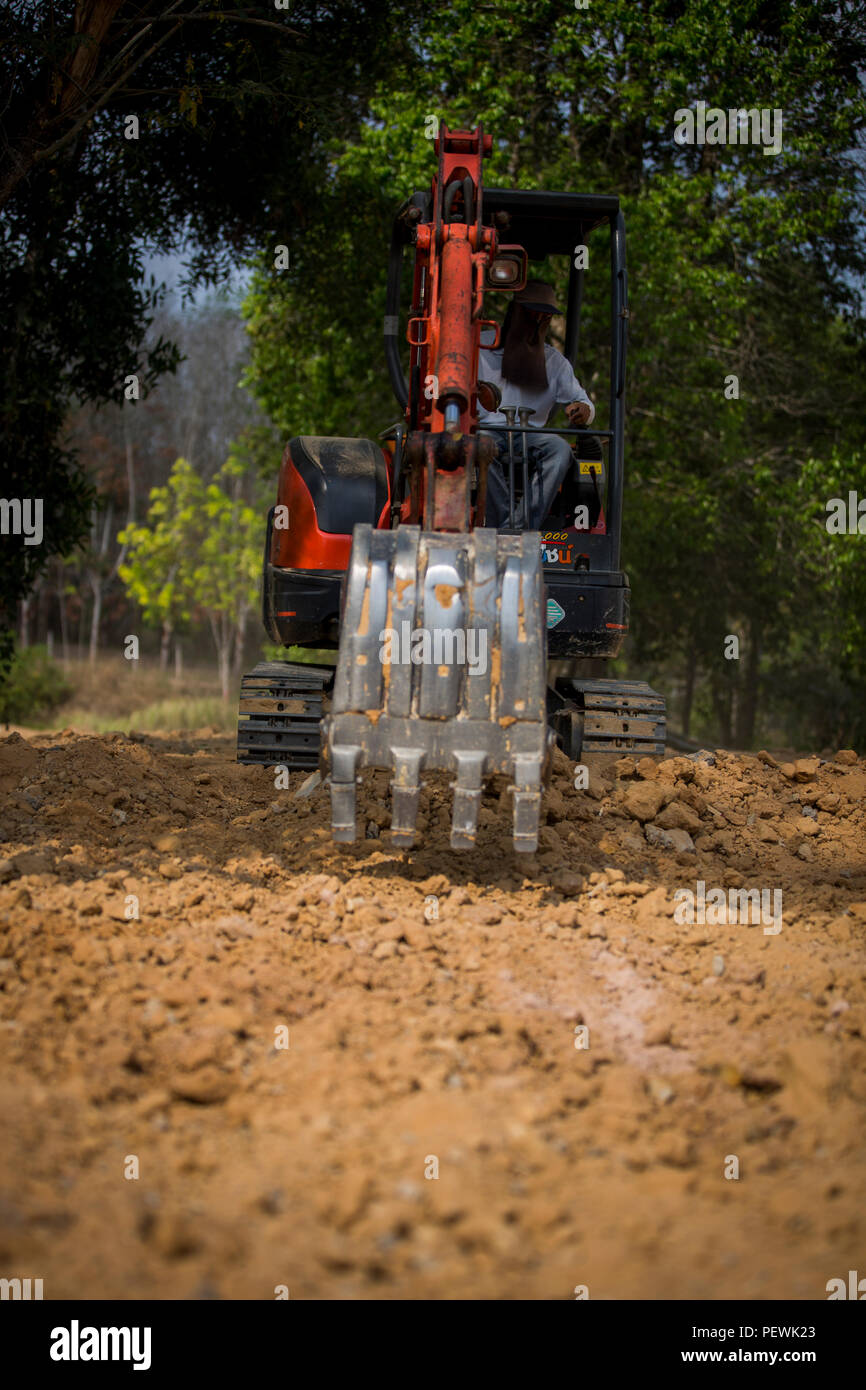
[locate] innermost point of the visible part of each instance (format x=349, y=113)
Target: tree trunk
x=61, y=599
x=747, y=702
x=24, y=622
x=227, y=636
x=178, y=659
x=81, y=623
x=130, y=472
x=222, y=632
x=225, y=672
x=164, y=647
x=689, y=690
x=75, y=89
x=224, y=665
x=722, y=692
x=95, y=617
x=240, y=637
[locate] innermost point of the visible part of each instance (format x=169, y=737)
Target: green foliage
x=304, y=656
x=161, y=551
x=227, y=567
x=740, y=264
x=180, y=712
x=251, y=462
x=34, y=686
x=198, y=549
x=235, y=102
x=197, y=557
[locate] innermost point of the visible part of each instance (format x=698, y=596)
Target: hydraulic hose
x=392, y=316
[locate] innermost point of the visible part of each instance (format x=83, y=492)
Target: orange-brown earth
x=431, y=1003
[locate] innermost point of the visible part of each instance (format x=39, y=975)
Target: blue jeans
x=550, y=458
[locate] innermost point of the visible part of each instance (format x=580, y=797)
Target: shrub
x=33, y=686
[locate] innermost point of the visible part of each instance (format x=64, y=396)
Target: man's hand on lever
x=578, y=413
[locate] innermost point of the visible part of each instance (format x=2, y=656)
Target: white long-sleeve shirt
x=562, y=388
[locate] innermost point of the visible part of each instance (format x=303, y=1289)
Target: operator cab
x=588, y=594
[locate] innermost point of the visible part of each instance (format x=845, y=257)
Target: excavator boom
x=440, y=587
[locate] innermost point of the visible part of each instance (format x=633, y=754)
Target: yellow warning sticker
x=590, y=466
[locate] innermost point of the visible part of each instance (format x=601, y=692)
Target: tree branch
x=177, y=21
x=238, y=19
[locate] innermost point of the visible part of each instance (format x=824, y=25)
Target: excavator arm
x=442, y=658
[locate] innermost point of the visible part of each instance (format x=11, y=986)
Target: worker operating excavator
x=529, y=373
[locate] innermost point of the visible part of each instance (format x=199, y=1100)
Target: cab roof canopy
x=548, y=224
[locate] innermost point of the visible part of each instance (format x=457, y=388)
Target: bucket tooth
x=467, y=798
x=405, y=790
x=344, y=763
x=527, y=803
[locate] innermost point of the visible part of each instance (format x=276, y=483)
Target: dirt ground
x=359, y=1072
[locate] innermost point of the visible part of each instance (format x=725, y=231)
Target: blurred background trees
x=741, y=265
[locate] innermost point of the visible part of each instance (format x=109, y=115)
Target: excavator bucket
x=442, y=664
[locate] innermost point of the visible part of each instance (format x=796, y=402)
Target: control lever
x=523, y=414
x=508, y=412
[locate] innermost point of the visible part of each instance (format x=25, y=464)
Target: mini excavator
x=369, y=539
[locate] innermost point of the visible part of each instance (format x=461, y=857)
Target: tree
x=740, y=265
x=160, y=554
x=197, y=557
x=227, y=575
x=126, y=123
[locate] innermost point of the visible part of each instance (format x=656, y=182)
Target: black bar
x=572, y=313
x=398, y=470
x=527, y=521
x=207, y=1339
x=545, y=429
x=618, y=312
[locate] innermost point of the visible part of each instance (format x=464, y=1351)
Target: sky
x=170, y=270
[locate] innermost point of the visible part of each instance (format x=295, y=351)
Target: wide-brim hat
x=538, y=297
